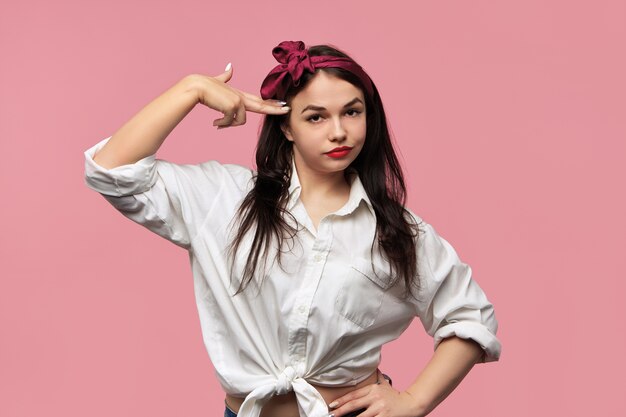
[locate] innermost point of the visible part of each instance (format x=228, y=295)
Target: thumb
x=227, y=74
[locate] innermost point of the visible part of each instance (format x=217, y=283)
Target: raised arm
x=172, y=199
x=145, y=132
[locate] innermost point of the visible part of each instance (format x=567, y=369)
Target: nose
x=338, y=132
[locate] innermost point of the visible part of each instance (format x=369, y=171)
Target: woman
x=306, y=266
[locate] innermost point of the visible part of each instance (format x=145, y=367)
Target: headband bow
x=294, y=60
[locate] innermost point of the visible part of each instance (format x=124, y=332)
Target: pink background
x=510, y=120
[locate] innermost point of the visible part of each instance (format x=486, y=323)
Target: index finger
x=258, y=105
x=352, y=395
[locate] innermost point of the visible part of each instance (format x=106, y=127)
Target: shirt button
x=318, y=257
x=302, y=309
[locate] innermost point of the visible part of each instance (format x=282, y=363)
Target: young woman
x=305, y=267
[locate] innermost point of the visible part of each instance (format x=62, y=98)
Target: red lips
x=341, y=148
x=338, y=153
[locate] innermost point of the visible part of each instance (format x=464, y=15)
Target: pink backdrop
x=510, y=119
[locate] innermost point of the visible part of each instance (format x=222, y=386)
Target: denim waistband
x=229, y=413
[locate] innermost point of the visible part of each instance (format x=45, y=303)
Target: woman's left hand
x=380, y=399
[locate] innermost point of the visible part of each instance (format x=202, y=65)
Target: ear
x=287, y=132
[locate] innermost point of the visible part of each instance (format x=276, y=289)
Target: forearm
x=145, y=132
x=451, y=362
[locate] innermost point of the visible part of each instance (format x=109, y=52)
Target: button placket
x=298, y=326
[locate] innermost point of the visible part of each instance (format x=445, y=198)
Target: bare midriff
x=285, y=405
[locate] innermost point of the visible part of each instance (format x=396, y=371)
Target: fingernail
x=227, y=67
x=333, y=404
x=285, y=108
x=282, y=103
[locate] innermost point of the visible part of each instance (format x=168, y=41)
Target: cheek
x=301, y=130
x=312, y=133
x=361, y=129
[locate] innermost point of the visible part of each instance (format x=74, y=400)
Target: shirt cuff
x=475, y=331
x=122, y=180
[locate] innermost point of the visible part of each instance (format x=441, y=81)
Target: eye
x=314, y=116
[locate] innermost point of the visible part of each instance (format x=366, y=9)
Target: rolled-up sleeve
x=451, y=302
x=122, y=180
x=171, y=200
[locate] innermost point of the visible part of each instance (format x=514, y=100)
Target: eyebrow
x=318, y=108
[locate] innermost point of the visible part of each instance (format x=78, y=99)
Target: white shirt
x=323, y=319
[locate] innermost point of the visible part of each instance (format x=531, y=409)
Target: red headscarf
x=295, y=59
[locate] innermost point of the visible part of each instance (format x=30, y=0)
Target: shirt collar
x=357, y=191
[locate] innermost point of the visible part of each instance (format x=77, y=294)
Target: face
x=327, y=114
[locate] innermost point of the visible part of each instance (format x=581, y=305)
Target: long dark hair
x=263, y=208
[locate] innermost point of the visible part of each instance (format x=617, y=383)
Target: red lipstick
x=339, y=152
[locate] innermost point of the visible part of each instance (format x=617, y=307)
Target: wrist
x=192, y=84
x=417, y=406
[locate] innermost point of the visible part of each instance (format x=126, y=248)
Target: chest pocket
x=361, y=295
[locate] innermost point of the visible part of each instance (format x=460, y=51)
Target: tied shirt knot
x=285, y=380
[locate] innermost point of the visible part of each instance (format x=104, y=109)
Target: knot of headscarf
x=296, y=57
x=294, y=60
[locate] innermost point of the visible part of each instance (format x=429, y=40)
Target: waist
x=286, y=405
